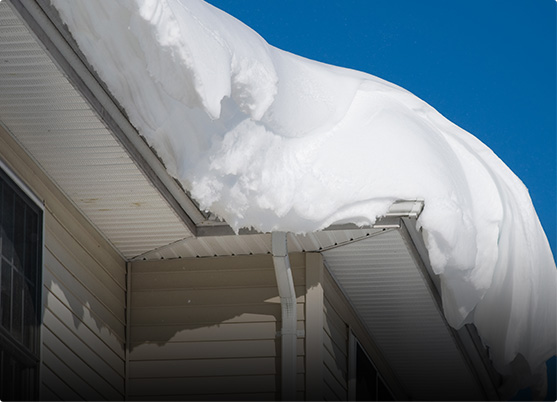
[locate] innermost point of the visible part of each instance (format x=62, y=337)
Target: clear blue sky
x=487, y=65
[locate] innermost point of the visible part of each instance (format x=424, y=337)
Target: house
x=115, y=285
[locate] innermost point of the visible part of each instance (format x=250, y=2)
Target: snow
x=273, y=141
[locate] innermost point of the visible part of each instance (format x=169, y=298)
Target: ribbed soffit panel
x=381, y=278
x=53, y=122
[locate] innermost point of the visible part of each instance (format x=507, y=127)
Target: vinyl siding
x=327, y=335
x=335, y=356
x=341, y=328
x=206, y=328
x=84, y=297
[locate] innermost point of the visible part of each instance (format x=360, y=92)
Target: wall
x=326, y=335
x=332, y=327
x=206, y=328
x=335, y=355
x=84, y=298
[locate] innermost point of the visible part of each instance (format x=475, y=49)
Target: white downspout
x=288, y=333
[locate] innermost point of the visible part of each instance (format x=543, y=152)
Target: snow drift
x=270, y=140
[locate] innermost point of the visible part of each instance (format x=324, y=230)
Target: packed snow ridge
x=273, y=141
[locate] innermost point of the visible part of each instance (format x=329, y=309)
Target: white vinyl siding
x=206, y=328
x=84, y=297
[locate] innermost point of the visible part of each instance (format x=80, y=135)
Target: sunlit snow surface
x=270, y=140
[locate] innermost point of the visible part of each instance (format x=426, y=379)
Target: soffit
x=58, y=128
x=383, y=281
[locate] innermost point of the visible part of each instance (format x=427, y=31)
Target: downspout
x=288, y=334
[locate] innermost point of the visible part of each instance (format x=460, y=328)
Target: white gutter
x=288, y=333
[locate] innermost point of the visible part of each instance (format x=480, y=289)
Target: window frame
x=23, y=356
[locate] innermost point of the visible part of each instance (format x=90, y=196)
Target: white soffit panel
x=385, y=286
x=53, y=122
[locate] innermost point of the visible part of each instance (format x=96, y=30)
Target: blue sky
x=488, y=66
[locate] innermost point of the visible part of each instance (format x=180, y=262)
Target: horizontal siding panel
x=85, y=268
x=209, y=350
x=209, y=278
x=215, y=314
x=329, y=394
x=338, y=388
x=47, y=394
x=213, y=297
x=254, y=396
x=207, y=315
x=206, y=328
x=333, y=348
x=80, y=366
x=184, y=265
x=55, y=272
x=233, y=331
x=203, y=349
x=336, y=336
x=201, y=385
x=336, y=363
x=59, y=389
x=74, y=344
x=63, y=313
x=76, y=383
x=212, y=332
x=335, y=323
x=85, y=314
x=202, y=367
x=89, y=250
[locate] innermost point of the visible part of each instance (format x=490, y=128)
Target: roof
x=97, y=158
x=100, y=161
x=57, y=108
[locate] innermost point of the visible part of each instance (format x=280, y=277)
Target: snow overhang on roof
x=58, y=109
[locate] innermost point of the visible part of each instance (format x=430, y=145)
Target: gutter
x=288, y=332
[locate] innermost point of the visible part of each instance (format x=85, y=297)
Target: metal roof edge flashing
x=45, y=23
x=410, y=209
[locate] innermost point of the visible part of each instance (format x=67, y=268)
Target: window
x=21, y=222
x=366, y=383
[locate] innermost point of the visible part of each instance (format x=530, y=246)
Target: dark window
x=20, y=292
x=369, y=384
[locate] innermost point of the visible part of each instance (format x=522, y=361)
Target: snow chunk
x=270, y=140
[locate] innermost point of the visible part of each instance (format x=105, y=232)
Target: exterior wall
x=341, y=329
x=84, y=298
x=327, y=336
x=332, y=327
x=335, y=354
x=206, y=328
